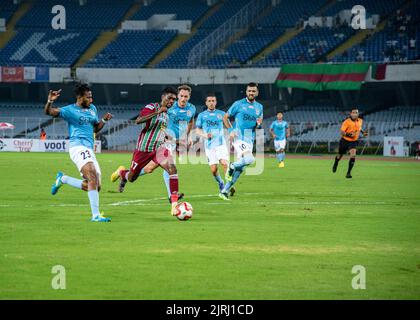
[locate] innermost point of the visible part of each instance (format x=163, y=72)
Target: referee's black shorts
x=345, y=146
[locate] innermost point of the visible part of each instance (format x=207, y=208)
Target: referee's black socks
x=351, y=164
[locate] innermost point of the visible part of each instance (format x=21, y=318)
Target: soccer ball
x=184, y=211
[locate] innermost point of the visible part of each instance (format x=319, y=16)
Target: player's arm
x=200, y=132
x=226, y=121
x=259, y=120
x=272, y=133
x=287, y=132
x=48, y=109
x=189, y=128
x=259, y=123
x=143, y=117
x=343, y=131
x=98, y=127
x=365, y=133
x=346, y=134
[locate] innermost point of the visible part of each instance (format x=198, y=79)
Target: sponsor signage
x=36, y=145
x=394, y=146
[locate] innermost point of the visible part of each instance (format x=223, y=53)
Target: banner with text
x=394, y=146
x=36, y=145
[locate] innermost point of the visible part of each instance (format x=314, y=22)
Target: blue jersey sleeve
x=272, y=125
x=65, y=113
x=233, y=110
x=199, y=123
x=287, y=125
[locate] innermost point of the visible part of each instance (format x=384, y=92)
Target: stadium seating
x=322, y=123
x=309, y=124
x=184, y=9
x=7, y=8
x=288, y=13
x=384, y=46
x=246, y=47
x=308, y=46
x=95, y=14
x=268, y=28
x=371, y=6
x=132, y=48
x=226, y=11
x=53, y=47
x=179, y=58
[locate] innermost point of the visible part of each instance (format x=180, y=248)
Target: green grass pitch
x=292, y=233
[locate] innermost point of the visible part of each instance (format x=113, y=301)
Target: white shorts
x=241, y=147
x=279, y=144
x=215, y=154
x=81, y=155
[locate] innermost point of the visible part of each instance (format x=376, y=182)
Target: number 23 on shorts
x=85, y=154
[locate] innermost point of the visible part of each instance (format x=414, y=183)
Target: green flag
x=319, y=77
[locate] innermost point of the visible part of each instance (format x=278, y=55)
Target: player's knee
x=172, y=170
x=93, y=178
x=148, y=170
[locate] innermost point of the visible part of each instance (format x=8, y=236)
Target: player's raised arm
x=48, y=109
x=144, y=116
x=101, y=124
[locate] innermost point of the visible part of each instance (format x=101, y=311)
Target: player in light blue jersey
x=83, y=122
x=209, y=125
x=280, y=130
x=248, y=114
x=181, y=120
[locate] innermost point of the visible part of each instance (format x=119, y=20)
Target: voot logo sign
x=55, y=146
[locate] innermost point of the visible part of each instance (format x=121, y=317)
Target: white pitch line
x=129, y=202
x=323, y=202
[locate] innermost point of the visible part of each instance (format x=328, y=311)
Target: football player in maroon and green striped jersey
x=151, y=145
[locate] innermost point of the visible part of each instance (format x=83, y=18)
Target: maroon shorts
x=162, y=156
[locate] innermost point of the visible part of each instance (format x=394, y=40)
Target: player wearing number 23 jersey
x=83, y=122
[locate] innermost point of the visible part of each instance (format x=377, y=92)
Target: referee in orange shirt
x=350, y=131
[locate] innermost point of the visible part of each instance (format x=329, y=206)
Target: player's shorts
x=279, y=144
x=162, y=156
x=346, y=145
x=241, y=147
x=215, y=154
x=81, y=155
